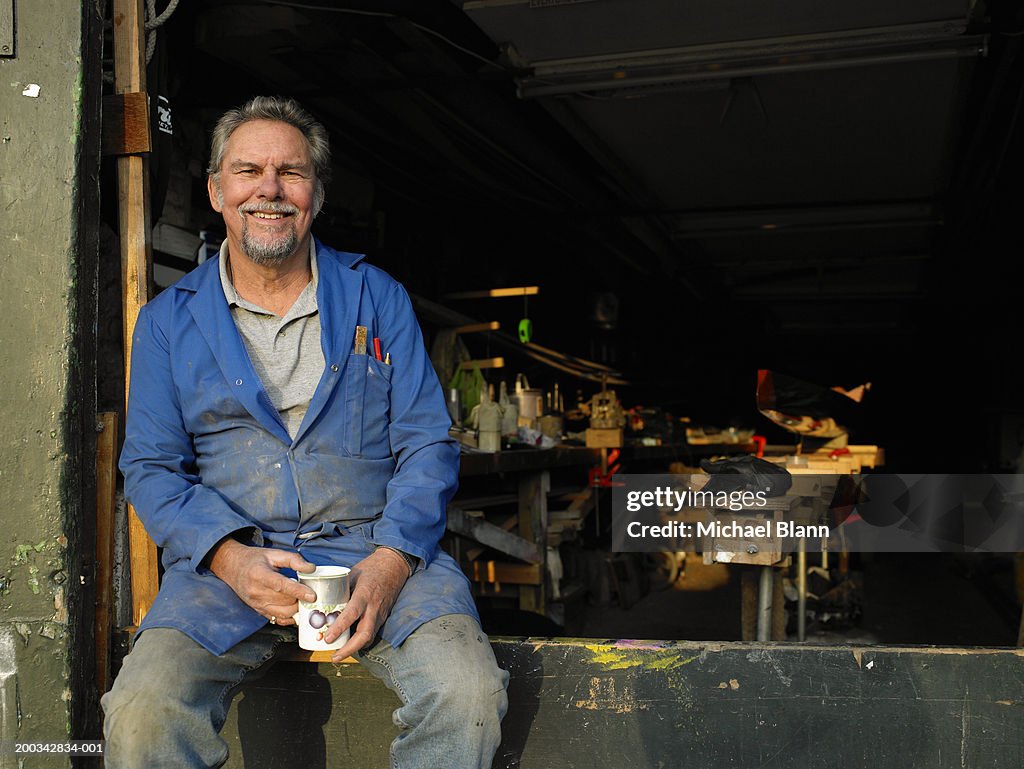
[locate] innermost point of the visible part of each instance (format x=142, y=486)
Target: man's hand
x=252, y=572
x=376, y=582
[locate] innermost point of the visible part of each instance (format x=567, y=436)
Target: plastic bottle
x=509, y=412
x=488, y=421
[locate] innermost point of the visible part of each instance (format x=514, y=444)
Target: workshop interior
x=617, y=222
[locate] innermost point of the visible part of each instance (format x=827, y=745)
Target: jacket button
x=334, y=367
x=238, y=382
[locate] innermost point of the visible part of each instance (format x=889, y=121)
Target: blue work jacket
x=206, y=454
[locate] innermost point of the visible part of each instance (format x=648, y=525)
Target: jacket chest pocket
x=368, y=405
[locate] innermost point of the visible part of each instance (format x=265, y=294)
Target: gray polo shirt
x=286, y=351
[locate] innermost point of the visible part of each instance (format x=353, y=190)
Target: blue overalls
x=206, y=454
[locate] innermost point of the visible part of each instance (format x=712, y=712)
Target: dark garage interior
x=843, y=208
x=699, y=191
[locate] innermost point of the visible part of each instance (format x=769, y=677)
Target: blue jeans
x=171, y=698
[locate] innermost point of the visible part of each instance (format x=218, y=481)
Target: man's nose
x=270, y=185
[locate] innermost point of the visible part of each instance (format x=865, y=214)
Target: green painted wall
x=49, y=130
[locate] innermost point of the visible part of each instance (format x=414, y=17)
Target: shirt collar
x=232, y=297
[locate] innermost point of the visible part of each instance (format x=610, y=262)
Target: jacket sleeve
x=158, y=459
x=427, y=459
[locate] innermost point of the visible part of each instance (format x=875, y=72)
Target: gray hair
x=285, y=111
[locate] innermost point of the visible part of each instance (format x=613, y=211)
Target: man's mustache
x=270, y=207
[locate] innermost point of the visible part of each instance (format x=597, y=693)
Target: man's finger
x=364, y=634
x=290, y=588
x=353, y=611
x=285, y=559
x=282, y=614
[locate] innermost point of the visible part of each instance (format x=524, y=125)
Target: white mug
x=330, y=583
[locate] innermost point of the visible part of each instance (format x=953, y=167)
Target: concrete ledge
x=585, y=703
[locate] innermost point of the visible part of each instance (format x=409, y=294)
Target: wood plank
x=498, y=362
x=475, y=328
x=508, y=524
x=133, y=218
x=525, y=460
x=522, y=574
x=440, y=314
x=533, y=491
x=492, y=536
x=583, y=362
x=604, y=438
x=583, y=501
x=562, y=515
x=560, y=532
x=296, y=654
x=126, y=124
x=675, y=705
x=495, y=293
x=741, y=705
x=106, y=495
x=493, y=500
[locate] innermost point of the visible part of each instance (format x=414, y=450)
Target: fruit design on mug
x=321, y=620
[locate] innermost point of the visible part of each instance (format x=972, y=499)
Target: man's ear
x=211, y=189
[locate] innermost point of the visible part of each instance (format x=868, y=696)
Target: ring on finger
x=273, y=620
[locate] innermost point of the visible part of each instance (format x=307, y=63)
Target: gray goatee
x=272, y=250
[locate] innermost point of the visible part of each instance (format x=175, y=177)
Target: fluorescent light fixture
x=494, y=293
x=849, y=216
x=609, y=73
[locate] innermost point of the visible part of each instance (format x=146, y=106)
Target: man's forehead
x=261, y=141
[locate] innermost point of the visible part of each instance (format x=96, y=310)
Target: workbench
x=507, y=543
x=515, y=524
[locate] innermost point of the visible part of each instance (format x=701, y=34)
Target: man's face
x=266, y=191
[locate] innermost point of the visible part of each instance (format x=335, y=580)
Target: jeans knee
x=478, y=700
x=147, y=724
x=131, y=730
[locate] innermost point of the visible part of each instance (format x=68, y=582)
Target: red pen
x=376, y=348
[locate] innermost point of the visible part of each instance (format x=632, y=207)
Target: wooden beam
x=618, y=702
x=126, y=124
x=294, y=654
x=533, y=524
x=495, y=293
x=590, y=371
x=673, y=704
x=136, y=258
x=460, y=522
x=473, y=328
x=507, y=525
x=582, y=502
x=498, y=362
x=571, y=359
x=106, y=492
x=302, y=655
x=525, y=574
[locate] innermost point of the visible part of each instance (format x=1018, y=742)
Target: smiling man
x=258, y=441
x=267, y=190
